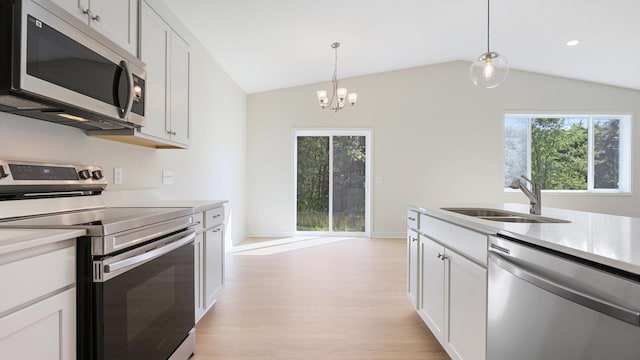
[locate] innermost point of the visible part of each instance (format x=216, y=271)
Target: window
x=569, y=152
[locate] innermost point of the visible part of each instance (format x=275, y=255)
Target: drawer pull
x=412, y=219
x=216, y=216
x=217, y=230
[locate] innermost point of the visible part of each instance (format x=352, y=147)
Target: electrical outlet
x=117, y=176
x=167, y=177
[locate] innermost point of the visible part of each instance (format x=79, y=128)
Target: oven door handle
x=147, y=256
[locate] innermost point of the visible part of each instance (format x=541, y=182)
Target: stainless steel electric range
x=135, y=273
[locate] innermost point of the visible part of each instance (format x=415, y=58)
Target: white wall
x=437, y=140
x=212, y=168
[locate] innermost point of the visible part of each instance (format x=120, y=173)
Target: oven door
x=144, y=300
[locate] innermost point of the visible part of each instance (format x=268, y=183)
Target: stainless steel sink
x=504, y=215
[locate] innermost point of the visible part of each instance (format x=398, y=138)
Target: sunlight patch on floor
x=271, y=247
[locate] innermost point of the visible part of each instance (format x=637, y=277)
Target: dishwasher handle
x=605, y=307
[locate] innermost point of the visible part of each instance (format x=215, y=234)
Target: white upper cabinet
x=115, y=19
x=154, y=45
x=168, y=69
x=179, y=90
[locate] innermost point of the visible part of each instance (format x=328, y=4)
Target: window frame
x=331, y=132
x=625, y=173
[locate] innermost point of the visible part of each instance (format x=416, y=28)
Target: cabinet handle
x=90, y=13
x=412, y=219
x=171, y=132
x=217, y=230
x=414, y=239
x=215, y=216
x=440, y=256
x=198, y=223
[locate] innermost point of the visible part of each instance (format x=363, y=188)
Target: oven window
x=56, y=58
x=145, y=313
x=141, y=313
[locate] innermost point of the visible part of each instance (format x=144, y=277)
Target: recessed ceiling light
x=573, y=42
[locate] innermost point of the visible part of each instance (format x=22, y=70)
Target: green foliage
x=606, y=153
x=313, y=176
x=559, y=149
x=349, y=156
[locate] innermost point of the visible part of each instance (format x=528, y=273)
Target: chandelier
x=338, y=95
x=491, y=68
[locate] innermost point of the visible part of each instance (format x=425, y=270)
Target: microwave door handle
x=124, y=112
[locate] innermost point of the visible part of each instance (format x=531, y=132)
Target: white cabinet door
x=179, y=90
x=118, y=21
x=467, y=307
x=213, y=264
x=198, y=272
x=44, y=330
x=412, y=266
x=153, y=51
x=168, y=59
x=75, y=8
x=115, y=19
x=431, y=299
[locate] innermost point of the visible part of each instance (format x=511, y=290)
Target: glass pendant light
x=491, y=68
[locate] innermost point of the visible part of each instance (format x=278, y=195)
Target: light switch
x=167, y=177
x=117, y=175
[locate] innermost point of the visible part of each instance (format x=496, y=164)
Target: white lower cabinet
x=467, y=307
x=209, y=259
x=38, y=303
x=214, y=265
x=44, y=330
x=432, y=289
x=412, y=266
x=452, y=288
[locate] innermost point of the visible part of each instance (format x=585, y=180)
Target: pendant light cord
x=488, y=21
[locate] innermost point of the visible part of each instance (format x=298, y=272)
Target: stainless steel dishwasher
x=542, y=305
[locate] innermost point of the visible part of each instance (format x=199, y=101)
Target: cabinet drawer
x=198, y=220
x=412, y=219
x=27, y=279
x=464, y=241
x=214, y=217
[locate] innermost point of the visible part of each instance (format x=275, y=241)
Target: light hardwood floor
x=341, y=300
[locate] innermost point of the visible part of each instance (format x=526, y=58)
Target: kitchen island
x=608, y=240
x=463, y=269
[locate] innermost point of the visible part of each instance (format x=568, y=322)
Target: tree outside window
x=583, y=153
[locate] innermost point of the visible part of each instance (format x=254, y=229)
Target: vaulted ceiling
x=266, y=45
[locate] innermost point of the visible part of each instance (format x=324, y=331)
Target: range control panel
x=24, y=177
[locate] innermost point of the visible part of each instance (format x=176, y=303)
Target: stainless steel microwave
x=53, y=67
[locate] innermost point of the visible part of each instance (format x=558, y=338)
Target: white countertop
x=19, y=239
x=197, y=205
x=605, y=239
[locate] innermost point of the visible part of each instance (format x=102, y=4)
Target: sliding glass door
x=332, y=182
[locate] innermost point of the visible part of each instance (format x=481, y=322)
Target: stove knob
x=97, y=174
x=84, y=174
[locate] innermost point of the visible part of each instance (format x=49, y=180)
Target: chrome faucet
x=535, y=201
